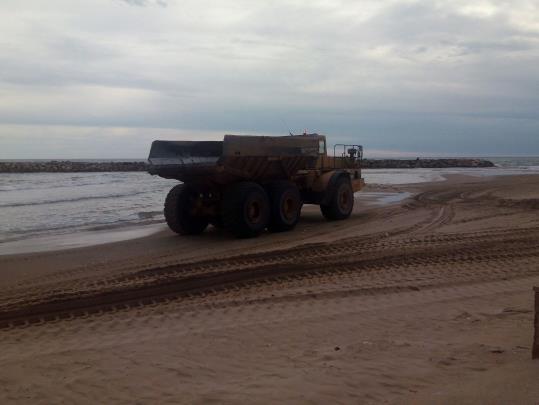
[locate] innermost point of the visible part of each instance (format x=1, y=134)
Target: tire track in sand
x=310, y=253
x=164, y=284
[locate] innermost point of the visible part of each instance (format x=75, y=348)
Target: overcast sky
x=102, y=78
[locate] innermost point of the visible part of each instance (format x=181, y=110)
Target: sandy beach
x=426, y=300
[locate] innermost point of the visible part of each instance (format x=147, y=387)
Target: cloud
x=144, y=3
x=408, y=75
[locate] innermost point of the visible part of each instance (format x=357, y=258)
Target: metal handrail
x=353, y=152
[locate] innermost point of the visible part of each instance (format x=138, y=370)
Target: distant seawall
x=423, y=163
x=66, y=166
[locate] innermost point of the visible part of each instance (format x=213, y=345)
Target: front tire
x=246, y=209
x=285, y=200
x=179, y=206
x=341, y=202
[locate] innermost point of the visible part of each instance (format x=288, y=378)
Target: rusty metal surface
x=535, y=348
x=259, y=168
x=275, y=146
x=337, y=162
x=357, y=184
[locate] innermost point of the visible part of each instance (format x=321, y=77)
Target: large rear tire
x=285, y=200
x=179, y=206
x=341, y=201
x=245, y=209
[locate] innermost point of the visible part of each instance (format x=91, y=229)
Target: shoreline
x=375, y=195
x=77, y=239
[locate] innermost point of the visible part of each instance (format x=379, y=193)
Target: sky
x=103, y=78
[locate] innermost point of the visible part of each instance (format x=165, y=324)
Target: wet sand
x=427, y=300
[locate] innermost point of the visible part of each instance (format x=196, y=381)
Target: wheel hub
x=344, y=199
x=254, y=211
x=289, y=208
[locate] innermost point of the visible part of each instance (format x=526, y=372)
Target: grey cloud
x=411, y=76
x=143, y=3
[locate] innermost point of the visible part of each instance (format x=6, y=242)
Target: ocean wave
x=49, y=181
x=77, y=199
x=96, y=225
x=149, y=214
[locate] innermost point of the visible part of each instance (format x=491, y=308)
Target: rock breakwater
x=424, y=163
x=67, y=166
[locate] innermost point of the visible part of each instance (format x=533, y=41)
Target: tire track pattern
x=418, y=262
x=311, y=254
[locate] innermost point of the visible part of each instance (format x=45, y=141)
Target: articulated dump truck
x=246, y=184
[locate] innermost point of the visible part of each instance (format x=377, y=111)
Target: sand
x=427, y=300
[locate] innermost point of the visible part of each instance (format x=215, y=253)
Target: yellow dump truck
x=249, y=183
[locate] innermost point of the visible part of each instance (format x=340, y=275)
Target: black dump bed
x=236, y=157
x=171, y=159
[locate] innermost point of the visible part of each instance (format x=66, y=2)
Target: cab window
x=321, y=146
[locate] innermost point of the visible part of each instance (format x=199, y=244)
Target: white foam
x=420, y=175
x=77, y=239
x=380, y=198
x=400, y=176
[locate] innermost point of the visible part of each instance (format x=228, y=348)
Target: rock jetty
x=423, y=163
x=68, y=166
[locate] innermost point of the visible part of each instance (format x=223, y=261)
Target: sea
x=43, y=211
